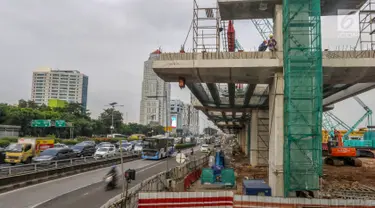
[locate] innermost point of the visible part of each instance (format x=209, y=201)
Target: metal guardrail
x=28, y=178
x=156, y=183
x=54, y=164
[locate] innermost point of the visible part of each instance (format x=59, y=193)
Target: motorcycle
x=110, y=182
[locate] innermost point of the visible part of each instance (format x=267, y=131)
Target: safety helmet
x=271, y=35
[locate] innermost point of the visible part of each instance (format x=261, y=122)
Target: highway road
x=82, y=190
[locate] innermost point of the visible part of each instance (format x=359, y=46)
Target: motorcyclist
x=113, y=172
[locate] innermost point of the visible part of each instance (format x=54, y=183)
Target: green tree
x=106, y=118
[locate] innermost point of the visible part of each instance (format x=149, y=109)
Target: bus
x=155, y=148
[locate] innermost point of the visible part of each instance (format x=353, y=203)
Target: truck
x=26, y=148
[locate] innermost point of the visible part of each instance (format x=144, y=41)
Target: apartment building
x=67, y=85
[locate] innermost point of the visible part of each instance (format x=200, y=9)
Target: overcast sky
x=109, y=40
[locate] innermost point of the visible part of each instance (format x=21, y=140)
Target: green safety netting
x=303, y=95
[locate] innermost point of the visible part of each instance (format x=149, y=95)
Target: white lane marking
x=43, y=202
x=85, y=193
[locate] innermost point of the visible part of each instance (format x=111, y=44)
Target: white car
x=105, y=152
x=204, y=148
x=127, y=147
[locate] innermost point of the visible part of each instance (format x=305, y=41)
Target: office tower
x=67, y=85
x=155, y=101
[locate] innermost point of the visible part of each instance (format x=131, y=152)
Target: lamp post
x=114, y=105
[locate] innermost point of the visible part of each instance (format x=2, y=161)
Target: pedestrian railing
x=156, y=183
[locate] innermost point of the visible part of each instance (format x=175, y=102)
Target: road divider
x=7, y=171
x=23, y=179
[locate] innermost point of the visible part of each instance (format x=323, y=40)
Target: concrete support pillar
x=254, y=139
x=243, y=136
x=276, y=143
x=278, y=26
x=248, y=144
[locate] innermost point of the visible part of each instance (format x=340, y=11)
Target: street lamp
x=113, y=105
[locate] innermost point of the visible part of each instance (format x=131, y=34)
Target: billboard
x=174, y=121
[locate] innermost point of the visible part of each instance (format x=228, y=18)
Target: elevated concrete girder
x=347, y=93
x=259, y=68
x=250, y=9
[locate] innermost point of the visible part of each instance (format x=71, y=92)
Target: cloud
x=108, y=40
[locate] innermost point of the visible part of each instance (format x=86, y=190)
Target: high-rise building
x=177, y=107
x=67, y=85
x=155, y=101
x=190, y=119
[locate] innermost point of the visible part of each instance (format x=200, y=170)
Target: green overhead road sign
x=60, y=123
x=41, y=123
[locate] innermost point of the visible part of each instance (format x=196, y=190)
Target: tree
x=106, y=119
x=82, y=125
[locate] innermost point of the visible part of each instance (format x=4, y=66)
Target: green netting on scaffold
x=302, y=95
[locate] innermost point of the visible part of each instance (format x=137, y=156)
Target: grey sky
x=109, y=40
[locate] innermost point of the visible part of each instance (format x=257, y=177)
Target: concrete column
x=276, y=143
x=254, y=139
x=243, y=136
x=248, y=144
x=278, y=26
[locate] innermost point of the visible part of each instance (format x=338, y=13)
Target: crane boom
x=367, y=115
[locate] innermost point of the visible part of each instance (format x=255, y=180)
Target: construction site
x=278, y=100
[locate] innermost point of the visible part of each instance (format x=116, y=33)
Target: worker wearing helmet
x=263, y=46
x=272, y=43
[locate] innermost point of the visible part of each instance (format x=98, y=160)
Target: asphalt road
x=82, y=190
x=95, y=196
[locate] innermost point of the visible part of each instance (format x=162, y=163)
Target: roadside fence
x=172, y=180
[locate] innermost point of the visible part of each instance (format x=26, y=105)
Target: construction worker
x=263, y=46
x=272, y=43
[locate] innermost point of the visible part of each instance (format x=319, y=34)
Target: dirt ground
x=337, y=182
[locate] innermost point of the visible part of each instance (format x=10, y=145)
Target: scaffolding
x=366, y=40
x=206, y=29
x=303, y=95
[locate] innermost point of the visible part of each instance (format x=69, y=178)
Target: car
x=103, y=144
x=105, y=152
x=59, y=145
x=83, y=150
x=138, y=147
x=52, y=154
x=127, y=147
x=204, y=148
x=89, y=142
